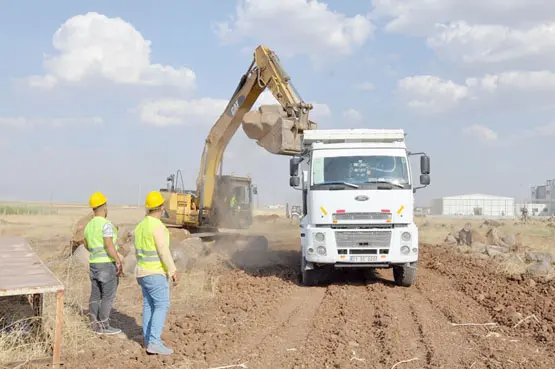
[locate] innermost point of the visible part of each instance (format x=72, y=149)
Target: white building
x=534, y=209
x=475, y=205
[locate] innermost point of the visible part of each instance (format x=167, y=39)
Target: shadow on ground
x=128, y=325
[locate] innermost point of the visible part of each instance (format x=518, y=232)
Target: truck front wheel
x=404, y=275
x=310, y=277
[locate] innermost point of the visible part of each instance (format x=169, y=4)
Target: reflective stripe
x=96, y=249
x=148, y=258
x=148, y=252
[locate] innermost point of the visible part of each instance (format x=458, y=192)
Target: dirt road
x=459, y=314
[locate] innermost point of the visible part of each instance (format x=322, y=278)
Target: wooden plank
x=22, y=271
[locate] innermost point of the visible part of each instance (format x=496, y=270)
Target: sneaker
x=110, y=330
x=159, y=350
x=96, y=327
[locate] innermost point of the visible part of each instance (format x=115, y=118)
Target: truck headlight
x=405, y=250
x=321, y=250
x=319, y=237
x=406, y=236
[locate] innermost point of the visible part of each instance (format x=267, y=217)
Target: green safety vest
x=145, y=247
x=95, y=241
x=233, y=201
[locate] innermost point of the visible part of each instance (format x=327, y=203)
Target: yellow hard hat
x=97, y=199
x=154, y=199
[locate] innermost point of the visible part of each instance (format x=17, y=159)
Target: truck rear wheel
x=405, y=275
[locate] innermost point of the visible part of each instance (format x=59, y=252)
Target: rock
x=494, y=238
x=478, y=247
x=464, y=249
x=501, y=249
x=187, y=252
x=81, y=256
x=126, y=248
x=510, y=240
x=129, y=264
x=540, y=269
x=536, y=256
x=496, y=254
x=465, y=235
x=450, y=239
x=181, y=260
x=531, y=283
x=490, y=223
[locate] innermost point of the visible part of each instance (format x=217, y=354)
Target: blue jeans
x=156, y=303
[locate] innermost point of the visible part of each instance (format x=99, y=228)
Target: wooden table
x=23, y=273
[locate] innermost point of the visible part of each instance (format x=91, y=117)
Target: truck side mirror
x=294, y=166
x=424, y=164
x=425, y=179
x=294, y=181
x=255, y=190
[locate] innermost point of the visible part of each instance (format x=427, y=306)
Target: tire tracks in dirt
x=287, y=332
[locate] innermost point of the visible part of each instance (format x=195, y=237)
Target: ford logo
x=361, y=198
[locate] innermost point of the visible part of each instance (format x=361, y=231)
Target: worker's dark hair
x=150, y=211
x=98, y=208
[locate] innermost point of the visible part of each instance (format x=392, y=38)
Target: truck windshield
x=360, y=170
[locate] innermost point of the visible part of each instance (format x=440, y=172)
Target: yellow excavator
x=226, y=201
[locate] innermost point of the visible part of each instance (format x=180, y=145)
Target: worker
x=105, y=265
x=155, y=266
x=233, y=203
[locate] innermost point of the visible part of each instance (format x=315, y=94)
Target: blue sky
x=82, y=88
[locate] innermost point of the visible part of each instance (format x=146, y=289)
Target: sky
x=116, y=96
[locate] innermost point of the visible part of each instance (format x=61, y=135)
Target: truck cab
x=358, y=200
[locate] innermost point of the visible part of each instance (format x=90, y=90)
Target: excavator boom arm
x=264, y=72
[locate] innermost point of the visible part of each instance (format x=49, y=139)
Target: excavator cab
x=233, y=202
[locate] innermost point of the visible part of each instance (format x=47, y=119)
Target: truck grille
x=361, y=216
x=357, y=239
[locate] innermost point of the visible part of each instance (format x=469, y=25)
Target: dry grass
x=49, y=234
x=536, y=234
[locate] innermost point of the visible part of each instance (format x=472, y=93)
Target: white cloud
x=482, y=132
x=545, y=130
x=489, y=136
x=350, y=116
x=365, y=86
x=166, y=112
x=92, y=45
x=296, y=27
x=419, y=17
x=463, y=42
x=21, y=122
x=433, y=94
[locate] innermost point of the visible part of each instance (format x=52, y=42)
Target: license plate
x=363, y=259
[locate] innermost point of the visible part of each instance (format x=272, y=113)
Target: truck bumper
x=377, y=250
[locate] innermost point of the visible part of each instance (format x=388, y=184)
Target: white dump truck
x=358, y=199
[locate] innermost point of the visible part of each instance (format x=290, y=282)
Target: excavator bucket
x=273, y=130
